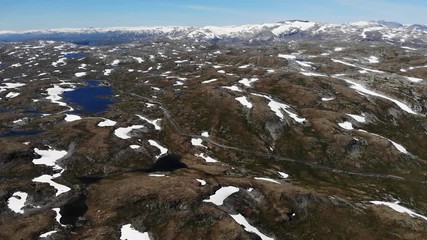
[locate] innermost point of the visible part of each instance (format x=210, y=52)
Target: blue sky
x=47, y=14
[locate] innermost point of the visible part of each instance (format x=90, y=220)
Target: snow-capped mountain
x=287, y=30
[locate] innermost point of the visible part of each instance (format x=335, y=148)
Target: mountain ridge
x=384, y=31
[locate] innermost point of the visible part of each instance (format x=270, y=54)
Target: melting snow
x=47, y=234
x=266, y=179
x=312, y=74
x=283, y=175
x=414, y=80
x=398, y=208
x=55, y=92
x=10, y=86
x=48, y=179
x=244, y=101
x=210, y=81
x=244, y=66
x=12, y=95
x=115, y=63
x=17, y=202
x=49, y=157
x=123, y=132
x=277, y=108
x=325, y=99
x=155, y=123
x=346, y=125
x=197, y=142
x=138, y=59
x=58, y=215
x=206, y=158
x=249, y=228
x=221, y=194
x=107, y=123
x=129, y=233
x=248, y=82
x=202, y=182
x=72, y=118
x=399, y=147
x=373, y=59
x=233, y=88
x=287, y=56
x=358, y=118
x=107, y=72
x=205, y=134
x=353, y=65
x=134, y=146
x=156, y=175
x=60, y=62
x=162, y=149
x=358, y=87
x=80, y=74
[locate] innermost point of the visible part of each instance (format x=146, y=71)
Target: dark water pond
x=74, y=55
x=71, y=211
x=13, y=133
x=167, y=163
x=33, y=111
x=91, y=98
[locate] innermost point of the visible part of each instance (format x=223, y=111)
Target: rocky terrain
x=179, y=139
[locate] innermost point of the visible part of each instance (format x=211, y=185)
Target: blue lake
x=13, y=133
x=74, y=55
x=91, y=98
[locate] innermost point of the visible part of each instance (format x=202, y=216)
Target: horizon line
x=7, y=31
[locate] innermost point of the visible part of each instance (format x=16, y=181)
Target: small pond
x=75, y=55
x=13, y=133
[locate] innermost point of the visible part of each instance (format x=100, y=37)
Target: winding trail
x=269, y=155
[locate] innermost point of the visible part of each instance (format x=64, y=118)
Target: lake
x=91, y=98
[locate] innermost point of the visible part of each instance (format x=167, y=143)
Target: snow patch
x=267, y=180
x=233, y=88
x=399, y=147
x=201, y=181
x=248, y=82
x=155, y=123
x=358, y=118
x=197, y=142
x=249, y=228
x=244, y=101
x=358, y=87
x=277, y=108
x=129, y=233
x=107, y=123
x=123, y=132
x=206, y=158
x=283, y=175
x=72, y=117
x=398, y=208
x=162, y=149
x=414, y=80
x=346, y=125
x=210, y=81
x=80, y=74
x=221, y=194
x=16, y=202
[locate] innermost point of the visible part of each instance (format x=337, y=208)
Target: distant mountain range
x=392, y=32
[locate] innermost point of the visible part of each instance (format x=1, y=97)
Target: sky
x=19, y=15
